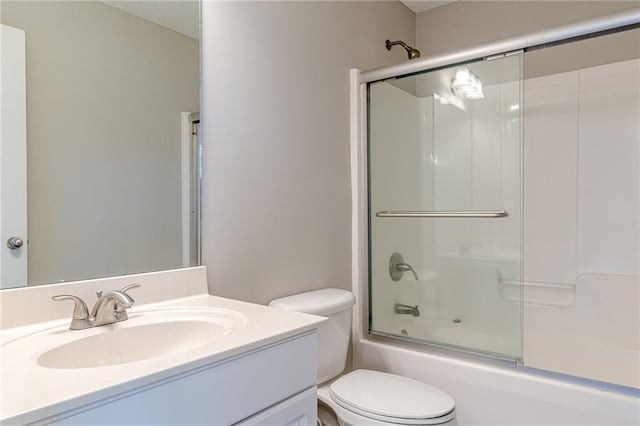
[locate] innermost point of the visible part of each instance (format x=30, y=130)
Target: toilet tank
x=333, y=336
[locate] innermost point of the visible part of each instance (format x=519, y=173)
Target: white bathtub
x=503, y=395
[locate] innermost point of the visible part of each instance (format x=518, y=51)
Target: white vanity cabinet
x=271, y=385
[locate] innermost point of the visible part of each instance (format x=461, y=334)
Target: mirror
x=99, y=150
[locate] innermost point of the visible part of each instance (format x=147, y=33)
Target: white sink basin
x=144, y=336
x=134, y=343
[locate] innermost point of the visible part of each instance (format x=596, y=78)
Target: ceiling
x=421, y=5
x=178, y=15
x=182, y=15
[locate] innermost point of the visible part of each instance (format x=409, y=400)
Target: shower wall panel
x=581, y=295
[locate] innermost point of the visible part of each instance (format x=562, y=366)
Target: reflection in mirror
x=99, y=150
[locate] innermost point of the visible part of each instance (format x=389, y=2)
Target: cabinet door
x=223, y=394
x=299, y=410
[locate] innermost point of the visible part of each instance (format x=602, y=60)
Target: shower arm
x=389, y=43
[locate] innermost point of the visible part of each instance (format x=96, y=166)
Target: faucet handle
x=80, y=318
x=123, y=290
x=120, y=311
x=130, y=287
x=80, y=310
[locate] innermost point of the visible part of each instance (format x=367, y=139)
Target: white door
x=191, y=182
x=13, y=159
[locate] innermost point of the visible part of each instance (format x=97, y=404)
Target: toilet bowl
x=362, y=397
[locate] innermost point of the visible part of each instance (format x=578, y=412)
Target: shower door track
x=627, y=19
x=460, y=351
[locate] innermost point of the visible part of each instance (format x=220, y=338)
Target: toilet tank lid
x=319, y=302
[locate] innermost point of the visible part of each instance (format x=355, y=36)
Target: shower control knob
x=14, y=243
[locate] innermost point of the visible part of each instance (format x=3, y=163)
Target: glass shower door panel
x=440, y=148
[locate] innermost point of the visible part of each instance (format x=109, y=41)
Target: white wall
x=463, y=24
x=276, y=196
x=104, y=94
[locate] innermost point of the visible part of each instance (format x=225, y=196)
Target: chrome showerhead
x=412, y=53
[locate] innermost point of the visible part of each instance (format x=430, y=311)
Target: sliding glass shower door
x=445, y=206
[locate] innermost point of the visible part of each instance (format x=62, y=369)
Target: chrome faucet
x=109, y=308
x=402, y=309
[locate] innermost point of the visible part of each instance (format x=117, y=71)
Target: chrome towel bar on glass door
x=450, y=214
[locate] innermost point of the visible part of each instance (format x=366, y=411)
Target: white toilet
x=363, y=397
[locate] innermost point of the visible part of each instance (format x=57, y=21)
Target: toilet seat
x=392, y=399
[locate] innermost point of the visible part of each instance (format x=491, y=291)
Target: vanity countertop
x=30, y=391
